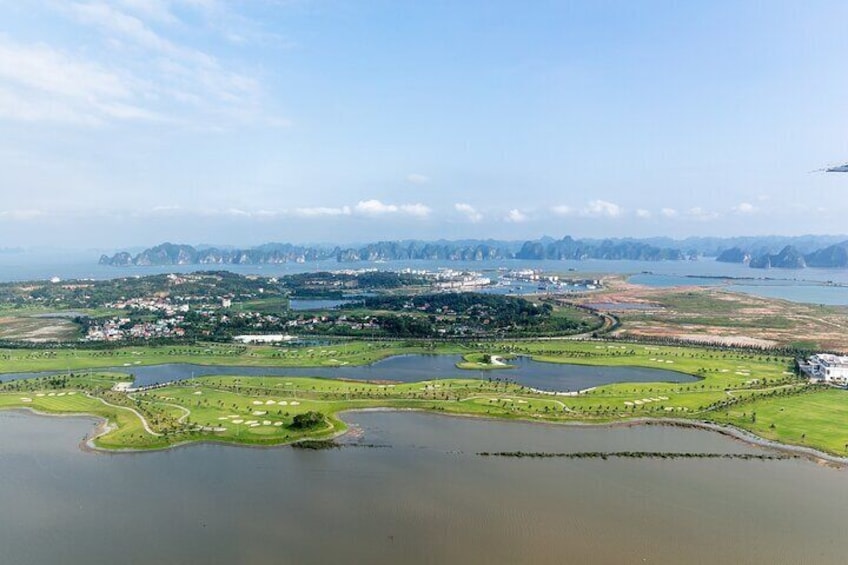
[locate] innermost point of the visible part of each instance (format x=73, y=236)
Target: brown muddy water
x=424, y=496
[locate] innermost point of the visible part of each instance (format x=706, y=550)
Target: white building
x=271, y=338
x=828, y=368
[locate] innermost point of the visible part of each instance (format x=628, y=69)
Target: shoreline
x=102, y=427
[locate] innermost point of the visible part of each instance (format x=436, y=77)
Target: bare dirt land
x=37, y=330
x=716, y=316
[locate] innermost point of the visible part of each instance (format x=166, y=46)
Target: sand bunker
x=238, y=421
x=295, y=403
x=257, y=402
x=270, y=402
x=259, y=412
x=26, y=399
x=278, y=423
x=283, y=403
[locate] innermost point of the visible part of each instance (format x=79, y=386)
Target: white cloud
x=642, y=213
x=668, y=213
x=516, y=216
x=417, y=210
x=149, y=70
x=417, y=178
x=469, y=211
x=40, y=83
x=744, y=208
x=374, y=208
x=602, y=208
x=562, y=210
x=21, y=215
x=377, y=208
x=320, y=211
x=698, y=213
x=125, y=26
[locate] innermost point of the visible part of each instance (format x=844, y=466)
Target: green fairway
x=260, y=410
x=815, y=419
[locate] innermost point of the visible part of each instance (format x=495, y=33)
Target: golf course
x=746, y=390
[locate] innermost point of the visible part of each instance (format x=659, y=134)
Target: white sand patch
x=522, y=402
x=725, y=370
x=663, y=398
x=256, y=425
x=219, y=429
x=289, y=384
x=628, y=403
x=199, y=392
x=238, y=421
x=283, y=403
x=295, y=403
x=251, y=422
x=638, y=402
x=72, y=393
x=269, y=402
x=266, y=422
x=40, y=394
x=60, y=394
x=669, y=408
x=257, y=402
x=223, y=417
x=259, y=412
x=51, y=394
x=278, y=423
x=647, y=400
x=669, y=361
x=26, y=399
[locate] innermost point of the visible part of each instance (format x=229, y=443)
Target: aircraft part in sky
x=839, y=169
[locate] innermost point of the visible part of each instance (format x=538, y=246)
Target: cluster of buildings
x=150, y=304
x=117, y=329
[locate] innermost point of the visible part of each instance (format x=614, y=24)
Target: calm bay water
x=805, y=285
x=424, y=498
x=560, y=377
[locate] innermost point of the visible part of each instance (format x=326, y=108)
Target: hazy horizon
x=127, y=123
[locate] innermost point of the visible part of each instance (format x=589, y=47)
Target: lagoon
x=555, y=377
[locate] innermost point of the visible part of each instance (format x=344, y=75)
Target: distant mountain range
x=818, y=251
x=789, y=257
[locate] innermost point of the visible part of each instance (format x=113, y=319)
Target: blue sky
x=137, y=121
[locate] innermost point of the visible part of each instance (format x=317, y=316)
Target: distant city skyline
x=127, y=123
